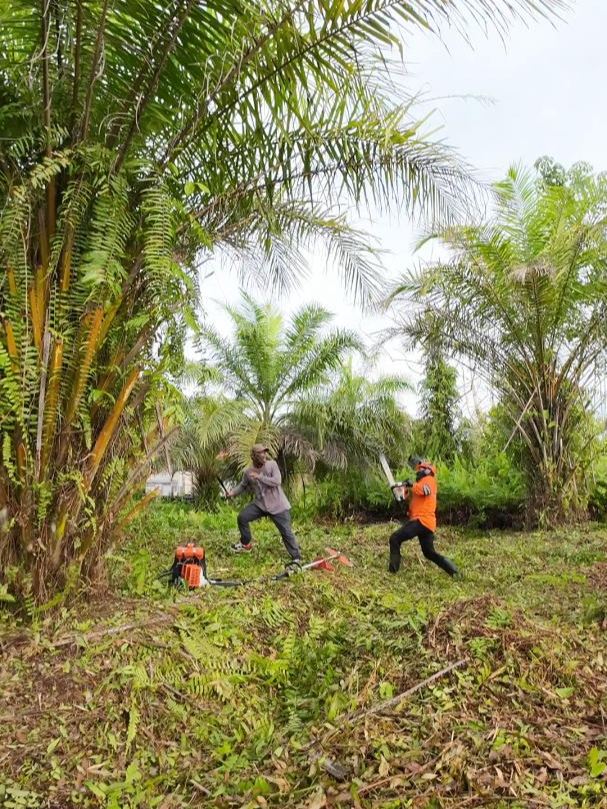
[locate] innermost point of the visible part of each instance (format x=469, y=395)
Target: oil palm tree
x=136, y=137
x=266, y=366
x=204, y=454
x=353, y=418
x=523, y=301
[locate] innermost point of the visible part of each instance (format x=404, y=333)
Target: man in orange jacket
x=422, y=517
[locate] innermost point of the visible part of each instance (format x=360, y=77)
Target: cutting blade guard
x=336, y=556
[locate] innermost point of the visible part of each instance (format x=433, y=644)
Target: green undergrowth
x=490, y=494
x=273, y=695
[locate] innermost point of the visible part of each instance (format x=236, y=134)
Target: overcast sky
x=547, y=85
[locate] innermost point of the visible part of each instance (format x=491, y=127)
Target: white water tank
x=180, y=484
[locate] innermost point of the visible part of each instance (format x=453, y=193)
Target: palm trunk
x=555, y=494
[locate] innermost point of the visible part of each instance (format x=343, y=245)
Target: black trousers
x=282, y=521
x=411, y=529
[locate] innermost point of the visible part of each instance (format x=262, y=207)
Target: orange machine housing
x=190, y=565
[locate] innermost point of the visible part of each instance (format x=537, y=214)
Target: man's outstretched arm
x=242, y=486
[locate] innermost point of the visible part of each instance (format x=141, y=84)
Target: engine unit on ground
x=190, y=566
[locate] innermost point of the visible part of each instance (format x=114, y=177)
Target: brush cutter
x=324, y=563
x=189, y=568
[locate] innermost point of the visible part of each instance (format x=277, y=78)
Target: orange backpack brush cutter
x=189, y=568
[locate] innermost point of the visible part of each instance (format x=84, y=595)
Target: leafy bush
x=487, y=493
x=490, y=493
x=345, y=494
x=597, y=504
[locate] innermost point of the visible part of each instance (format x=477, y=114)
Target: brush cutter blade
x=318, y=564
x=322, y=564
x=336, y=556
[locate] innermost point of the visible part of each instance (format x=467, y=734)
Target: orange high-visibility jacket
x=422, y=505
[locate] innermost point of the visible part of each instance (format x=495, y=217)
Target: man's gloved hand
x=399, y=490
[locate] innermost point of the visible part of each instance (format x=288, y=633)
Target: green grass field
x=273, y=695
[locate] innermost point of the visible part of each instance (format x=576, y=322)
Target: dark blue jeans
x=282, y=521
x=411, y=529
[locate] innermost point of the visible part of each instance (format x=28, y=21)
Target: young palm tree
x=522, y=300
x=134, y=137
x=266, y=366
x=199, y=445
x=353, y=419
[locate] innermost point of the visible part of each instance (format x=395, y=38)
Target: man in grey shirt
x=264, y=480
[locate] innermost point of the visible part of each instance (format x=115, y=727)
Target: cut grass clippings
x=319, y=691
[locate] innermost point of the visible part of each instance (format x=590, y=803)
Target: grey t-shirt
x=267, y=488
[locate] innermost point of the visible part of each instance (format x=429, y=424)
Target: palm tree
x=204, y=455
x=136, y=137
x=266, y=366
x=352, y=419
x=522, y=300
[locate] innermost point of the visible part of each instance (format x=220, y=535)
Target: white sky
x=546, y=82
